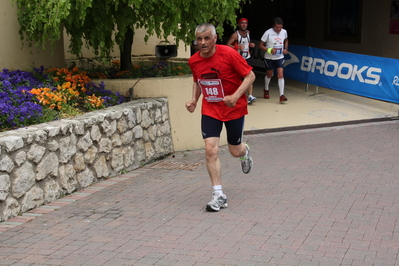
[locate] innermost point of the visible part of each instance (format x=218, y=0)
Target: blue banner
x=369, y=76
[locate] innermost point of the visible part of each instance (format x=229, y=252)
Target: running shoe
x=246, y=162
x=218, y=201
x=283, y=98
x=266, y=94
x=251, y=99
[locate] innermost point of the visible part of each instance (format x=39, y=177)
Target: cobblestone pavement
x=321, y=196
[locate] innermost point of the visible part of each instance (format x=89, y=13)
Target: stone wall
x=41, y=163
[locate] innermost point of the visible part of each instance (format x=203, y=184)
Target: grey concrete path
x=326, y=196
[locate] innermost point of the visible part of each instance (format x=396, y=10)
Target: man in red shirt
x=222, y=76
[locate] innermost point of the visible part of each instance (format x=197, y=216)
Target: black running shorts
x=272, y=64
x=212, y=127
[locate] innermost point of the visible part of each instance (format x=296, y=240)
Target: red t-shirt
x=230, y=68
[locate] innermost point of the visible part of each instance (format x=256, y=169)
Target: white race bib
x=212, y=89
x=279, y=49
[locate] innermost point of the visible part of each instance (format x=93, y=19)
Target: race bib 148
x=212, y=89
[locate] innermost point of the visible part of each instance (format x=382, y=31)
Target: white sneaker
x=251, y=99
x=246, y=162
x=218, y=201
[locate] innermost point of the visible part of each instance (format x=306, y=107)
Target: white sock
x=218, y=189
x=281, y=86
x=267, y=82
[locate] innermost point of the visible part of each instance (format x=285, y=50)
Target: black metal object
x=165, y=50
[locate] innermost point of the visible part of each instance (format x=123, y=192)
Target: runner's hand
x=230, y=101
x=191, y=105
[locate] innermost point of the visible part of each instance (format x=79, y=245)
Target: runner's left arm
x=231, y=100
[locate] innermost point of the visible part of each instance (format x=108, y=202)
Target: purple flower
x=17, y=107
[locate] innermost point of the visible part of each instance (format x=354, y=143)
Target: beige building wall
x=12, y=55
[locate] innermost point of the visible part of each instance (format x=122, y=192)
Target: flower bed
x=39, y=96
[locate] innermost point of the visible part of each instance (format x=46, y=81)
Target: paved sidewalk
x=305, y=108
x=326, y=196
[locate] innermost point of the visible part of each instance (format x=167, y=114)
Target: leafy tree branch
x=101, y=24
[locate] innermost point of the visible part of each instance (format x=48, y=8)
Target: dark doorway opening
x=260, y=15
